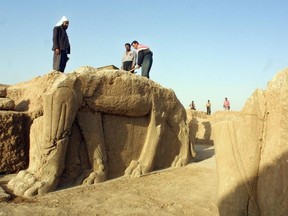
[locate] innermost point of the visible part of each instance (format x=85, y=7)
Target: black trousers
x=59, y=61
x=127, y=65
x=208, y=110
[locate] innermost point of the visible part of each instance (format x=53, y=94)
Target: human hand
x=57, y=51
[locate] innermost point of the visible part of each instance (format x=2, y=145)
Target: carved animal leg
x=92, y=131
x=42, y=176
x=186, y=150
x=146, y=160
x=181, y=128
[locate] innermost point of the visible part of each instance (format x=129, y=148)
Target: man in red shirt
x=226, y=104
x=144, y=58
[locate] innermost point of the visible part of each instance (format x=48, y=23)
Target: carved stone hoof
x=135, y=169
x=180, y=161
x=95, y=177
x=25, y=184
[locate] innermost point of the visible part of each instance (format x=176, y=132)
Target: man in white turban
x=61, y=45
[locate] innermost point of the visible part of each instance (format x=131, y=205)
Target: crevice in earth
x=261, y=148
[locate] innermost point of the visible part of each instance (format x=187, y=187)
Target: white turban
x=63, y=19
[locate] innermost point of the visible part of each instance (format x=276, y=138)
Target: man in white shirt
x=129, y=59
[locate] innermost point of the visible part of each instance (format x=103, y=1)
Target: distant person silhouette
x=208, y=107
x=144, y=58
x=192, y=106
x=226, y=104
x=61, y=45
x=128, y=59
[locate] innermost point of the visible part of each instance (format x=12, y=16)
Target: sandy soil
x=189, y=190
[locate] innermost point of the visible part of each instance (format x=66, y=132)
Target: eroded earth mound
x=252, y=154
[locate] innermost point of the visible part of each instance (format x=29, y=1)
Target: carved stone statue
x=85, y=119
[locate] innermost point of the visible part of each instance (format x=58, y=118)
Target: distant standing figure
x=208, y=107
x=61, y=45
x=144, y=58
x=192, y=106
x=128, y=59
x=226, y=104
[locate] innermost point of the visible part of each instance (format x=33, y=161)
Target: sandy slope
x=189, y=190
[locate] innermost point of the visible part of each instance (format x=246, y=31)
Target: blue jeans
x=147, y=64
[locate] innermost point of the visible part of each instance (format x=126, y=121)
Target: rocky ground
x=190, y=190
